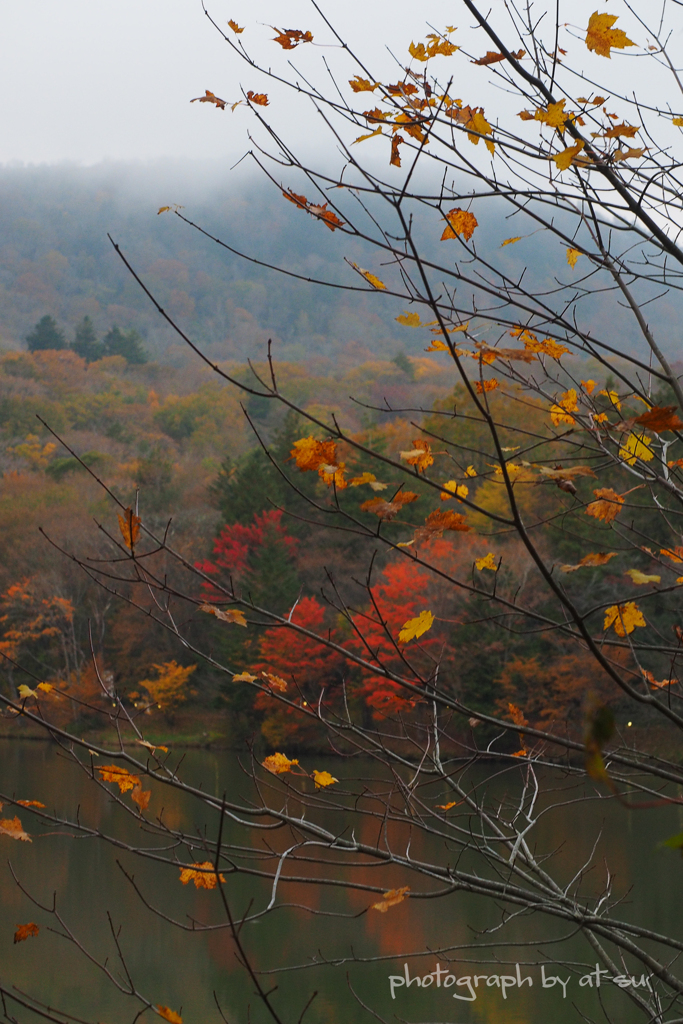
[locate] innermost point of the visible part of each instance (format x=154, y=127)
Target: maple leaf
x=30, y=803
x=438, y=521
x=459, y=222
x=376, y=115
x=395, y=159
x=203, y=875
x=168, y=1014
x=370, y=277
x=477, y=127
x=419, y=456
x=601, y=37
x=289, y=38
x=387, y=510
x=310, y=454
x=588, y=386
x=359, y=84
x=566, y=474
x=151, y=746
x=368, y=135
x=414, y=628
x=487, y=562
x=24, y=931
x=617, y=130
x=608, y=505
x=391, y=898
x=370, y=479
x=209, y=97
x=235, y=27
x=654, y=685
x=659, y=419
x=594, y=558
x=630, y=154
x=244, y=677
x=453, y=489
x=300, y=201
x=675, y=554
x=437, y=47
x=624, y=618
x=640, y=577
x=409, y=320
x=121, y=776
x=278, y=764
x=129, y=525
x=13, y=828
x=275, y=682
x=523, y=355
x=447, y=807
x=613, y=397
x=636, y=448
x=141, y=796
x=25, y=692
x=259, y=98
x=470, y=471
x=567, y=404
x=225, y=615
x=492, y=57
x=554, y=115
x=548, y=347
x=572, y=256
x=568, y=156
x=482, y=386
x=323, y=779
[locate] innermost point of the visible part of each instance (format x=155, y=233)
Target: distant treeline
x=47, y=335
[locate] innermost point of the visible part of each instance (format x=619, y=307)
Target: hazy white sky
x=87, y=80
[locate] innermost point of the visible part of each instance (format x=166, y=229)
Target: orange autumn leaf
x=141, y=796
x=624, y=618
x=275, y=682
x=289, y=38
x=601, y=37
x=129, y=525
x=387, y=510
x=523, y=355
x=25, y=931
x=170, y=1015
x=447, y=807
x=13, y=828
x=478, y=127
x=438, y=521
x=208, y=97
x=570, y=473
x=278, y=764
x=391, y=898
x=654, y=685
x=30, y=803
x=395, y=159
x=259, y=98
x=592, y=559
x=121, y=776
x=235, y=27
x=225, y=615
x=459, y=222
x=548, y=347
x=492, y=57
x=660, y=418
x=675, y=554
x=608, y=505
x=438, y=46
x=483, y=386
x=203, y=875
x=517, y=716
x=359, y=84
x=420, y=456
x=630, y=154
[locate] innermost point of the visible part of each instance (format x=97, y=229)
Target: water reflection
x=183, y=969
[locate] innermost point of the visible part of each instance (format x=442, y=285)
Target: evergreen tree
x=45, y=335
x=86, y=344
x=125, y=343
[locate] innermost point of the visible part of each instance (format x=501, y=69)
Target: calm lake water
x=183, y=970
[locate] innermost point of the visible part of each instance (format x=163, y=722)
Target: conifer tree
x=86, y=343
x=125, y=343
x=45, y=335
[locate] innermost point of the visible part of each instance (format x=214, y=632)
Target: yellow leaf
x=640, y=577
x=414, y=628
x=129, y=525
x=203, y=875
x=678, y=121
x=487, y=562
x=470, y=471
x=323, y=779
x=409, y=319
x=572, y=256
x=225, y=615
x=419, y=456
x=564, y=159
x=567, y=404
x=391, y=898
x=169, y=1015
x=121, y=776
x=554, y=115
x=452, y=488
x=608, y=505
x=369, y=135
x=459, y=222
x=25, y=692
x=624, y=618
x=488, y=385
x=370, y=278
x=244, y=677
x=370, y=479
x=588, y=386
x=278, y=764
x=601, y=37
x=437, y=47
x=510, y=241
x=478, y=123
x=594, y=558
x=636, y=448
x=613, y=397
x=235, y=27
